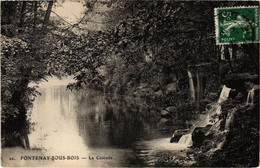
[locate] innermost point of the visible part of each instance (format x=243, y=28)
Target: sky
x=71, y=11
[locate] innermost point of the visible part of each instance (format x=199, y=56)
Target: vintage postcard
x=129, y=83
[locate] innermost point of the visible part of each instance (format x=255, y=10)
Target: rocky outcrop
x=167, y=116
x=178, y=134
x=200, y=134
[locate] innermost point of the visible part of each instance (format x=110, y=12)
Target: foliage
x=156, y=37
x=16, y=73
x=25, y=51
x=152, y=40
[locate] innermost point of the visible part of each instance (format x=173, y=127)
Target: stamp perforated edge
x=216, y=23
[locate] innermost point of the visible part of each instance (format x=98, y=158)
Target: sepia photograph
x=129, y=83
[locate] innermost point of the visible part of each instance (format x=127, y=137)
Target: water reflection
x=91, y=124
x=55, y=129
x=110, y=122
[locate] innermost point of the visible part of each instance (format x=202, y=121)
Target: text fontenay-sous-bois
x=65, y=158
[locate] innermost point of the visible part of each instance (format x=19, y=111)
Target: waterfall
x=224, y=94
x=223, y=97
x=205, y=119
x=186, y=140
x=250, y=97
x=216, y=109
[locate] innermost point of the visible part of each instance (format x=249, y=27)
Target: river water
x=90, y=129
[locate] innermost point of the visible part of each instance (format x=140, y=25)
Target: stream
x=92, y=129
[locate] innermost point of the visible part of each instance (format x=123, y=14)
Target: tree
x=22, y=14
x=24, y=59
x=48, y=13
x=35, y=13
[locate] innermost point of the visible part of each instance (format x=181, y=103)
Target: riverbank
x=241, y=144
x=235, y=139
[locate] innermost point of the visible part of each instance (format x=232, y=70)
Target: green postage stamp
x=236, y=25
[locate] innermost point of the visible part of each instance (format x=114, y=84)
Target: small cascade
x=206, y=119
x=223, y=97
x=224, y=94
x=186, y=140
x=229, y=119
x=250, y=97
x=216, y=109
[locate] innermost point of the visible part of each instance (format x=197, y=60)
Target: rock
x=171, y=87
x=212, y=151
x=158, y=93
x=199, y=135
x=165, y=114
x=208, y=144
x=170, y=109
x=178, y=134
x=175, y=138
x=210, y=106
x=165, y=121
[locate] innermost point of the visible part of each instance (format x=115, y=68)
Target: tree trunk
x=22, y=14
x=252, y=52
x=48, y=13
x=177, y=79
x=160, y=82
x=200, y=86
x=218, y=62
x=227, y=56
x=26, y=139
x=35, y=13
x=191, y=84
x=234, y=56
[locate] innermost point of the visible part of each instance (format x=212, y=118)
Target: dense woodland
x=163, y=52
